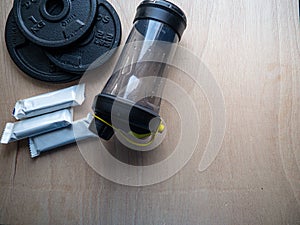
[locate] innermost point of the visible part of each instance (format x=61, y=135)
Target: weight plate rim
x=43, y=42
x=106, y=56
x=26, y=69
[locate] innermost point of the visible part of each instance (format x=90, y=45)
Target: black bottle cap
x=163, y=11
x=141, y=120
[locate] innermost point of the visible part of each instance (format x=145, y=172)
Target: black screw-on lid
x=163, y=11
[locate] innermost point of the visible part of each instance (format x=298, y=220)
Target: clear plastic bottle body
x=149, y=47
x=130, y=101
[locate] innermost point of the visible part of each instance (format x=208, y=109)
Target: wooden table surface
x=252, y=50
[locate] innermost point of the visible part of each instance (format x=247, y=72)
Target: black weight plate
x=31, y=58
x=54, y=23
x=100, y=42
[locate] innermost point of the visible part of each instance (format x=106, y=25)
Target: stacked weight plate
x=58, y=40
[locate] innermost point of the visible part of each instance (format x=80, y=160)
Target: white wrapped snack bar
x=49, y=102
x=77, y=131
x=36, y=126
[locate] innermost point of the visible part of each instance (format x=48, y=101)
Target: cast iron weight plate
x=99, y=44
x=54, y=23
x=31, y=58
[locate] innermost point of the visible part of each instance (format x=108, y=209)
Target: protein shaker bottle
x=130, y=100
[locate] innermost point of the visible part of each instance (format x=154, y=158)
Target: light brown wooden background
x=252, y=48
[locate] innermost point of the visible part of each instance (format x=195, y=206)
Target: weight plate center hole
x=54, y=7
x=55, y=10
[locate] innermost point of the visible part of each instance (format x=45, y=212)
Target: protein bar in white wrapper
x=50, y=102
x=36, y=126
x=77, y=131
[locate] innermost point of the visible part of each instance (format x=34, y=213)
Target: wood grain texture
x=252, y=49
